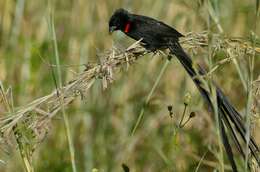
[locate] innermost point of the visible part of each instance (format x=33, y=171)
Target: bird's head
x=118, y=20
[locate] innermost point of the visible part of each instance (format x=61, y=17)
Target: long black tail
x=229, y=119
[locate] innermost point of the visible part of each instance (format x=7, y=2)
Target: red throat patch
x=127, y=27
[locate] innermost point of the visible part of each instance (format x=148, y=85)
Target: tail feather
x=227, y=144
x=229, y=116
x=235, y=117
x=234, y=136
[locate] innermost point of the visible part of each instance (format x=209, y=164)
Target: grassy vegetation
x=94, y=122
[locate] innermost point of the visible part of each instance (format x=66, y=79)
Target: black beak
x=112, y=29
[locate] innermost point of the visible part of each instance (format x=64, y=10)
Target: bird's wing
x=156, y=28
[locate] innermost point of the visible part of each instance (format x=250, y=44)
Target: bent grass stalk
x=141, y=114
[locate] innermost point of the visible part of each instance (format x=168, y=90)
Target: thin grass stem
x=141, y=114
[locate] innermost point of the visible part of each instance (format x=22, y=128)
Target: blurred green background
x=101, y=124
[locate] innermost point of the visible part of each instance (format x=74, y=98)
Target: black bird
x=156, y=35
